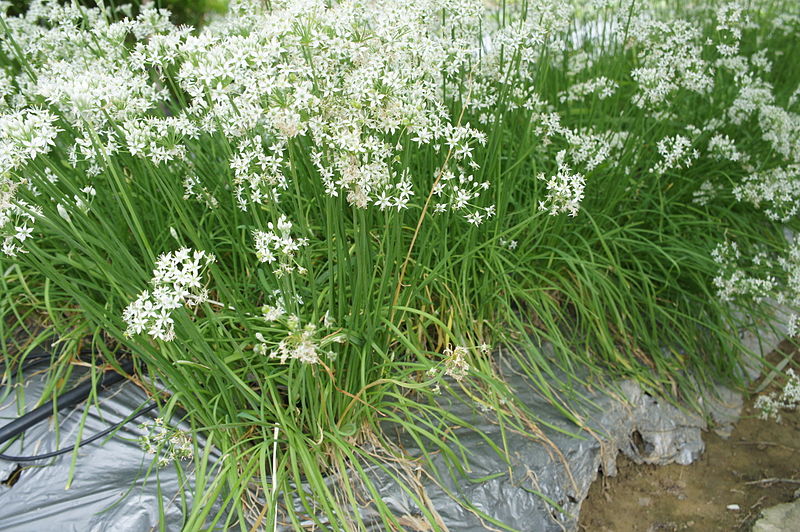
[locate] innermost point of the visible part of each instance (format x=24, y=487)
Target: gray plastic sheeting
x=110, y=489
x=545, y=483
x=540, y=490
x=542, y=487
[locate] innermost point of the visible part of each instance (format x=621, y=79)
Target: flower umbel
x=176, y=283
x=168, y=443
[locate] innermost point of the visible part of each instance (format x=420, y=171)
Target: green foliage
x=284, y=217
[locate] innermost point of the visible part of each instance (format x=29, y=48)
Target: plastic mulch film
x=538, y=486
x=114, y=484
x=541, y=483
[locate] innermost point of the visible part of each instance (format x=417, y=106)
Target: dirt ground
x=757, y=467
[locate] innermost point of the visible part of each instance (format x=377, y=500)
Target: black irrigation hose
x=70, y=398
x=87, y=441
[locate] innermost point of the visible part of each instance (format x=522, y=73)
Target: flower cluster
x=24, y=135
x=723, y=147
x=776, y=191
x=352, y=78
x=564, y=189
x=671, y=59
x=295, y=340
x=168, y=443
x=299, y=342
x=258, y=171
x=176, y=283
x=676, y=152
x=771, y=405
x=458, y=193
x=278, y=245
x=16, y=219
x=455, y=362
x=601, y=86
x=159, y=139
x=735, y=280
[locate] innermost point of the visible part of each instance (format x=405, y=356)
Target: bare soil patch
x=757, y=467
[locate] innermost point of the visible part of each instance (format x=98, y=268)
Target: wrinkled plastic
x=540, y=488
x=110, y=488
x=543, y=484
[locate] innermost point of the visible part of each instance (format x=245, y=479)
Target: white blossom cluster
x=168, y=443
x=776, y=191
x=735, y=280
x=753, y=94
x=351, y=77
x=77, y=62
x=159, y=139
x=759, y=276
x=600, y=86
x=586, y=149
x=306, y=343
x=177, y=282
x=259, y=172
x=781, y=129
x=398, y=195
x=671, y=59
x=564, y=189
x=455, y=362
x=278, y=245
x=675, y=152
x=275, y=309
x=771, y=405
x=723, y=147
x=16, y=221
x=591, y=149
x=24, y=135
x=456, y=192
x=301, y=343
x=355, y=78
x=773, y=186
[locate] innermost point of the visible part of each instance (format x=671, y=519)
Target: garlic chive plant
x=308, y=217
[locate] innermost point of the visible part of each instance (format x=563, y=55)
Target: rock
x=781, y=518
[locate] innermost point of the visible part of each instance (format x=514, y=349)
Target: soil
x=758, y=466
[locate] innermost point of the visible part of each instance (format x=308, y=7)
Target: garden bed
x=337, y=242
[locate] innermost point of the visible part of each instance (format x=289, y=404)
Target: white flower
x=299, y=344
x=723, y=147
x=277, y=244
x=62, y=211
x=168, y=443
x=455, y=362
x=671, y=59
x=775, y=191
x=601, y=86
x=22, y=233
x=675, y=152
x=176, y=283
x=24, y=135
x=564, y=189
